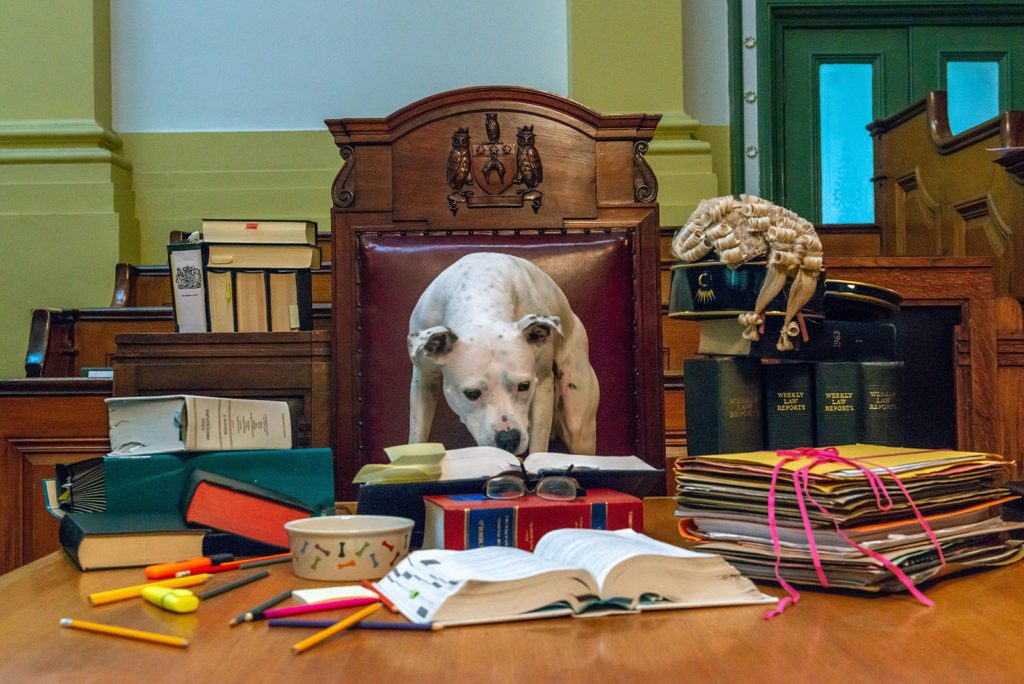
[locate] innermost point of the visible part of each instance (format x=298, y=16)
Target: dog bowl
x=342, y=548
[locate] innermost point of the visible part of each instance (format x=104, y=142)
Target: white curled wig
x=742, y=228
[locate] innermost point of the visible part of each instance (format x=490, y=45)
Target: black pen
x=233, y=585
x=269, y=603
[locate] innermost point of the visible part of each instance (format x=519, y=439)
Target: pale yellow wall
x=628, y=57
x=65, y=197
x=181, y=178
x=76, y=198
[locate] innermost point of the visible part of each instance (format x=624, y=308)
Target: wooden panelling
x=938, y=194
x=64, y=341
x=42, y=422
x=293, y=367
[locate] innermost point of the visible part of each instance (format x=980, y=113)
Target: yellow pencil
x=101, y=597
x=124, y=632
x=335, y=628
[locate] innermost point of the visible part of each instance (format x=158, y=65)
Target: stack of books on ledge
x=747, y=508
x=245, y=276
x=189, y=476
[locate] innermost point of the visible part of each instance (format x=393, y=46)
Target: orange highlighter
x=192, y=565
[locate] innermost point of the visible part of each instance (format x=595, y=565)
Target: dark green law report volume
x=788, y=405
x=882, y=412
x=837, y=403
x=723, y=405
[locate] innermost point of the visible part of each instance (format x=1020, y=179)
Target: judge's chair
x=577, y=198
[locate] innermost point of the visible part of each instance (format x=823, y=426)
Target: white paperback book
x=186, y=266
x=184, y=422
x=576, y=572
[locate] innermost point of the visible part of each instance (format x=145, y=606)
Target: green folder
x=156, y=482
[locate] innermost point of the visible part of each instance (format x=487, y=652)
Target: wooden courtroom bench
x=136, y=286
x=64, y=341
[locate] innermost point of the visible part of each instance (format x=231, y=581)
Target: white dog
x=497, y=335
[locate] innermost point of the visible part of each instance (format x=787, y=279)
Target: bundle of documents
x=770, y=513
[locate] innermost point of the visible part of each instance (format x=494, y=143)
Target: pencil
x=101, y=597
x=383, y=599
x=269, y=603
x=124, y=632
x=365, y=624
x=335, y=628
x=314, y=607
x=264, y=561
x=233, y=585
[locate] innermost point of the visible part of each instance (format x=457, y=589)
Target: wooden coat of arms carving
x=505, y=175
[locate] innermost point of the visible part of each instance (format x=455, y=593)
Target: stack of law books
x=861, y=517
x=245, y=276
x=189, y=476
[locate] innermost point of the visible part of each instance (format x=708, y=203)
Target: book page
x=284, y=301
x=221, y=300
x=599, y=552
x=422, y=582
x=251, y=301
x=476, y=461
x=549, y=459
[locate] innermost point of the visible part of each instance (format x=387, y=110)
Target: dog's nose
x=507, y=440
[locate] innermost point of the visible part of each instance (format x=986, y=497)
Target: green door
x=835, y=82
x=980, y=67
x=831, y=82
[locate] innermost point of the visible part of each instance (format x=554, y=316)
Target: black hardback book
x=838, y=403
x=788, y=405
x=723, y=405
x=882, y=413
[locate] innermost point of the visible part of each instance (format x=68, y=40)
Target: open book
x=570, y=572
x=484, y=461
x=430, y=461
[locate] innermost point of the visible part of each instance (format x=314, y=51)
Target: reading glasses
x=515, y=484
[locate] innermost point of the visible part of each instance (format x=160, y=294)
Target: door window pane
x=847, y=158
x=972, y=91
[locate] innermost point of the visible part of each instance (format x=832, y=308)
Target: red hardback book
x=468, y=521
x=239, y=507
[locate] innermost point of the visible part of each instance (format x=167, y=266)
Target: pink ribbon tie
x=801, y=479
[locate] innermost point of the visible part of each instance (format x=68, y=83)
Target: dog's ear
x=433, y=344
x=537, y=329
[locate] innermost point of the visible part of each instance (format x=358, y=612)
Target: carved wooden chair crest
x=493, y=169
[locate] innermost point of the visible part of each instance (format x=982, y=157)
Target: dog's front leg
x=423, y=393
x=541, y=411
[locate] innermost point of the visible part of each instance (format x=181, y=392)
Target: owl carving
x=460, y=171
x=529, y=170
x=492, y=127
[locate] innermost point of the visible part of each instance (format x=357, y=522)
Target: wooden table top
x=972, y=634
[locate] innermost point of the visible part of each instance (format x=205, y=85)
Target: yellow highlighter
x=102, y=597
x=174, y=600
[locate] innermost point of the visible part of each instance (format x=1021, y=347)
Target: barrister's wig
x=739, y=229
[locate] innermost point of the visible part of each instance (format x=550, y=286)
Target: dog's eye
x=524, y=387
x=471, y=394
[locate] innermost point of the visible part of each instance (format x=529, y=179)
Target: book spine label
x=472, y=528
x=724, y=410
x=186, y=268
x=788, y=405
x=882, y=396
x=218, y=424
x=838, y=403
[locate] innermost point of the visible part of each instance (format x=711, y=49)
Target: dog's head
x=490, y=374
